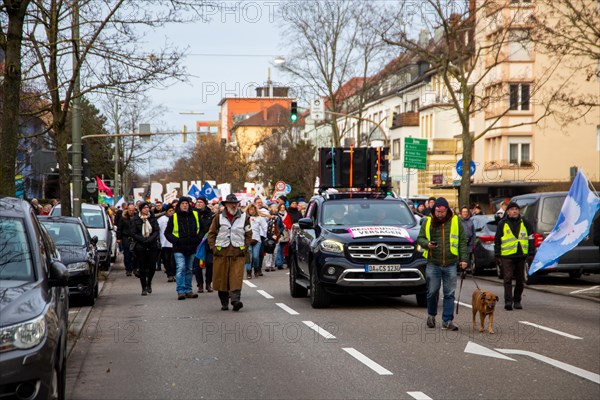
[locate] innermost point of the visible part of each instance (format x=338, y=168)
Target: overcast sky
x=252, y=28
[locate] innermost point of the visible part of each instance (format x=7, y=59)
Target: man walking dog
x=443, y=237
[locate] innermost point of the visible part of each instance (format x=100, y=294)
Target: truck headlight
x=101, y=245
x=24, y=335
x=331, y=246
x=78, y=266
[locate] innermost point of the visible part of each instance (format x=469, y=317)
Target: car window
x=64, y=233
x=312, y=212
x=479, y=221
x=16, y=261
x=367, y=213
x=551, y=207
x=527, y=205
x=92, y=218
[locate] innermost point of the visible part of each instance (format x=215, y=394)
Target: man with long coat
x=229, y=238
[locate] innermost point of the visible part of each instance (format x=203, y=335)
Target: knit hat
x=512, y=204
x=202, y=199
x=441, y=202
x=169, y=207
x=282, y=197
x=185, y=198
x=144, y=204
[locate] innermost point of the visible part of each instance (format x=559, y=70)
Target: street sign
x=317, y=109
x=459, y=167
x=280, y=186
x=415, y=153
x=288, y=189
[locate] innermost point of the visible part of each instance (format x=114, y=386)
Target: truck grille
x=380, y=251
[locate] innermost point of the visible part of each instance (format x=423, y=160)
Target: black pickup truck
x=356, y=243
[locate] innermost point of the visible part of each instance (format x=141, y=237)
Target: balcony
x=410, y=118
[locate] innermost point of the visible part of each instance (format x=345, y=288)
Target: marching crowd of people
x=239, y=242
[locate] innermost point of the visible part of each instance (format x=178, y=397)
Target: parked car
x=78, y=253
x=482, y=258
x=94, y=217
x=34, y=306
x=542, y=210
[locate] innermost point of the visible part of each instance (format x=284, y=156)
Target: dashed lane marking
x=550, y=330
x=287, y=309
x=419, y=396
x=367, y=361
x=558, y=364
x=463, y=304
x=249, y=284
x=265, y=294
x=318, y=329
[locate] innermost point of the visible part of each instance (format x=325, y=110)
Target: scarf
x=146, y=227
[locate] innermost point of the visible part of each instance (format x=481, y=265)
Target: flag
x=120, y=202
x=194, y=191
x=573, y=224
x=105, y=195
x=208, y=191
x=102, y=186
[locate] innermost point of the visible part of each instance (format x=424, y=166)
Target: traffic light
x=294, y=112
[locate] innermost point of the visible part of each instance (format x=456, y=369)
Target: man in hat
x=183, y=230
x=513, y=246
x=229, y=238
x=443, y=238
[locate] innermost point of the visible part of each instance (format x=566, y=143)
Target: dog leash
x=462, y=278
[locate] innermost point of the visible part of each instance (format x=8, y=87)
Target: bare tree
x=331, y=46
x=12, y=19
x=464, y=46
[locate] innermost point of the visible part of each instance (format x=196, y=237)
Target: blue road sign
x=459, y=167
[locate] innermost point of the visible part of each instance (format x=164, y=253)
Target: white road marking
x=265, y=294
x=250, y=284
x=558, y=364
x=367, y=361
x=550, y=330
x=585, y=290
x=318, y=329
x=287, y=309
x=463, y=304
x=419, y=396
x=478, y=349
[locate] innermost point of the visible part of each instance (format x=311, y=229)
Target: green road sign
x=415, y=153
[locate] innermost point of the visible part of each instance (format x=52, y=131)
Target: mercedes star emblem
x=382, y=252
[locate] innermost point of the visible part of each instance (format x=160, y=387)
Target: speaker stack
x=354, y=167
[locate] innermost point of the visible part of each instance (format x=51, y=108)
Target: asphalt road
x=277, y=347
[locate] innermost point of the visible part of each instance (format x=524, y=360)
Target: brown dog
x=485, y=304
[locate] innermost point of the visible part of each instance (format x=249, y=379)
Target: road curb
x=76, y=326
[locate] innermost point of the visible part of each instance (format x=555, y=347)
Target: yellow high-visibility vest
x=453, y=235
x=510, y=243
x=176, y=224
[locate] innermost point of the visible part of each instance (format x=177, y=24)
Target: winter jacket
x=189, y=233
x=206, y=217
x=440, y=233
x=145, y=243
x=515, y=226
x=125, y=230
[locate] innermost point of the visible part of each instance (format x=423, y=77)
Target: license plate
x=382, y=268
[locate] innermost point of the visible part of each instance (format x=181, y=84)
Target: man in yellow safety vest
x=443, y=238
x=513, y=247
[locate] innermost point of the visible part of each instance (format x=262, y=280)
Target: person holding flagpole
x=513, y=247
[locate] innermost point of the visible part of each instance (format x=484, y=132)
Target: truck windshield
x=367, y=213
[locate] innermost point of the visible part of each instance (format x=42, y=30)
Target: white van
x=94, y=217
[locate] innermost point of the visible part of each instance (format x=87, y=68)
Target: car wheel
x=96, y=285
x=295, y=289
x=574, y=274
x=318, y=297
x=421, y=299
x=530, y=279
x=90, y=298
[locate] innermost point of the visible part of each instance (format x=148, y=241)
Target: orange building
x=236, y=109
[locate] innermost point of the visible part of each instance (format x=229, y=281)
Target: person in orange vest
x=513, y=247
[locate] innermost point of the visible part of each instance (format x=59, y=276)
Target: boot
x=149, y=287
x=249, y=274
x=209, y=288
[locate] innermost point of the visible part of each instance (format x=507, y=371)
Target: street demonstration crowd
x=219, y=244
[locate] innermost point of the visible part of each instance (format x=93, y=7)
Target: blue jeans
x=436, y=276
x=255, y=249
x=279, y=257
x=183, y=276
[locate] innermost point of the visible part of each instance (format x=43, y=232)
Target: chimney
x=423, y=38
x=265, y=114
